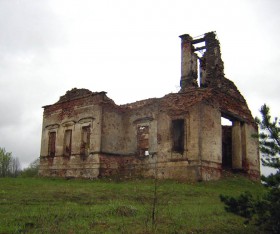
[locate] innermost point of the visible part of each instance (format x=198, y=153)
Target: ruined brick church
x=181, y=136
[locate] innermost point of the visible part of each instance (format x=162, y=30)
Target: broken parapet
x=211, y=66
x=213, y=63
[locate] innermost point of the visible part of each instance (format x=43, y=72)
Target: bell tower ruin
x=85, y=134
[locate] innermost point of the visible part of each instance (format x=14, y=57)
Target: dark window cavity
x=85, y=141
x=67, y=142
x=178, y=135
x=51, y=147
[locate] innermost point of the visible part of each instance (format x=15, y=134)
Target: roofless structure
x=85, y=134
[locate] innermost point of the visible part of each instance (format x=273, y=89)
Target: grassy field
x=41, y=205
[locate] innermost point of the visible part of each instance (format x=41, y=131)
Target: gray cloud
x=29, y=29
x=26, y=27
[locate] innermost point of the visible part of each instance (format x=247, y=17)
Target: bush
x=31, y=170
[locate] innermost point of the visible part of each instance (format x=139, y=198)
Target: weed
x=41, y=205
x=127, y=211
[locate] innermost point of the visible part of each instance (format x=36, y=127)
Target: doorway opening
x=226, y=143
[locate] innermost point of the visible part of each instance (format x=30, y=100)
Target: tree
x=269, y=140
x=5, y=160
x=9, y=166
x=15, y=167
x=265, y=210
x=32, y=169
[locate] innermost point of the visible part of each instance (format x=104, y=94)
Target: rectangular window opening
x=67, y=143
x=143, y=140
x=85, y=141
x=51, y=147
x=178, y=135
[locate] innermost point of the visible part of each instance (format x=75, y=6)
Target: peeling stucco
x=137, y=139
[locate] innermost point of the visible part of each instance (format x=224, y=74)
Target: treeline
x=10, y=166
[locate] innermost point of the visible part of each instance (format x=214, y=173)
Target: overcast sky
x=127, y=48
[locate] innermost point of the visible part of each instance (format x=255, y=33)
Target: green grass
x=41, y=205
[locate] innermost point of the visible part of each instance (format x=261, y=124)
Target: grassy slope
x=102, y=206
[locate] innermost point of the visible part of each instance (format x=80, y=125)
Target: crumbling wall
x=72, y=114
x=85, y=134
x=212, y=66
x=212, y=78
x=210, y=142
x=112, y=134
x=188, y=63
x=160, y=158
x=250, y=161
x=141, y=115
